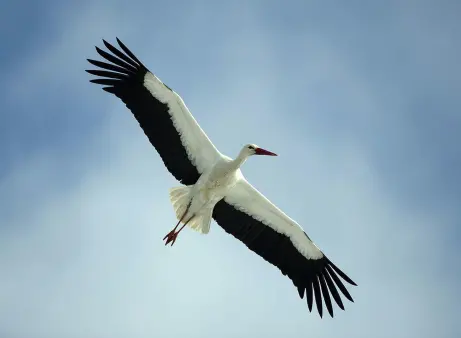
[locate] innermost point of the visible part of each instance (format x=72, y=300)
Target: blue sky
x=360, y=101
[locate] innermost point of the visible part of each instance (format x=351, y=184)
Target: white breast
x=214, y=185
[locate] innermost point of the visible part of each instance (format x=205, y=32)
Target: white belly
x=211, y=191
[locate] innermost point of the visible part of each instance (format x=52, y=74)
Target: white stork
x=213, y=185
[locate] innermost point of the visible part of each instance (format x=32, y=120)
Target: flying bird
x=212, y=184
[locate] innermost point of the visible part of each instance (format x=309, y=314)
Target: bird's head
x=253, y=149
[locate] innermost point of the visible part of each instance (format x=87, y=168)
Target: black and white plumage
x=213, y=184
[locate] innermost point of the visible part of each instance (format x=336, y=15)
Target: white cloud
x=87, y=259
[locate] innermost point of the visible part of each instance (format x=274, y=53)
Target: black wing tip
x=116, y=39
x=347, y=279
x=301, y=292
x=123, y=55
x=326, y=294
x=120, y=43
x=323, y=286
x=339, y=271
x=122, y=65
x=99, y=50
x=107, y=44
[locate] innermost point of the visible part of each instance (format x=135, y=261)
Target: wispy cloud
x=84, y=205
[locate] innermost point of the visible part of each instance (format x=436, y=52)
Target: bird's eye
x=251, y=147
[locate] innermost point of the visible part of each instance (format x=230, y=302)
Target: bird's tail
x=180, y=199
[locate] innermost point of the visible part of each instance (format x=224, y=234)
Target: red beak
x=261, y=151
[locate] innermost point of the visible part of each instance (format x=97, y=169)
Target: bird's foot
x=171, y=237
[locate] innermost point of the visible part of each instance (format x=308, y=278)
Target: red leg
x=172, y=234
x=169, y=236
x=177, y=233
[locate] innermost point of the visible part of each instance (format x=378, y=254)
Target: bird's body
x=202, y=196
x=213, y=186
x=215, y=182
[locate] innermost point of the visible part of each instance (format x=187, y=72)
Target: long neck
x=240, y=159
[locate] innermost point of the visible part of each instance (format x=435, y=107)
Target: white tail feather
x=201, y=223
x=180, y=199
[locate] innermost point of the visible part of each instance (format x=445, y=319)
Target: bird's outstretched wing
x=250, y=217
x=162, y=114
